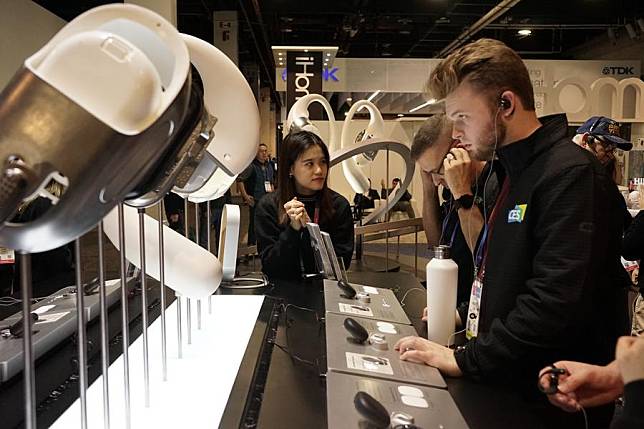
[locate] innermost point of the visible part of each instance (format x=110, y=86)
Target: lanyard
x=316, y=213
x=446, y=224
x=481, y=251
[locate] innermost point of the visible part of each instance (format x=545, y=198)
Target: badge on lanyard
x=7, y=256
x=474, y=309
x=268, y=186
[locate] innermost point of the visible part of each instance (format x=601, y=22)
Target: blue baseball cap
x=607, y=129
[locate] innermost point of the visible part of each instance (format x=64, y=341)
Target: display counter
x=273, y=389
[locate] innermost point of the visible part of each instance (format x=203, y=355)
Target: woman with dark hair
x=302, y=196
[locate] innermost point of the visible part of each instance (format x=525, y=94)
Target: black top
x=287, y=253
x=384, y=193
x=633, y=243
x=633, y=415
x=363, y=202
x=550, y=288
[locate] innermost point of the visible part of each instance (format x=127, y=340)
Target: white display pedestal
x=198, y=385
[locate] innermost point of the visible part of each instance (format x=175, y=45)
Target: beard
x=490, y=140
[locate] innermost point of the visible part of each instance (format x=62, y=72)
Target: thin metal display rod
x=164, y=348
x=188, y=305
x=197, y=241
x=30, y=371
x=387, y=216
x=82, y=338
x=209, y=247
x=105, y=351
x=144, y=307
x=125, y=319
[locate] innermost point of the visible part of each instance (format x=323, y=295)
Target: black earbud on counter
x=371, y=410
x=17, y=329
x=347, y=290
x=377, y=416
x=358, y=333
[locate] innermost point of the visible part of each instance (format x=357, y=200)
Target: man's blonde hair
x=487, y=64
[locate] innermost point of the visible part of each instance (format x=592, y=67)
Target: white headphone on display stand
x=191, y=270
x=375, y=129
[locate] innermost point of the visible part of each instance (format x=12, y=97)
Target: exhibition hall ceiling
x=404, y=28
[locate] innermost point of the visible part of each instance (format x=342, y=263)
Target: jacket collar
x=516, y=156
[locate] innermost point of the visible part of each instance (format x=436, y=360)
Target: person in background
x=174, y=211
x=601, y=136
x=587, y=386
x=255, y=182
x=459, y=221
x=303, y=196
x=366, y=201
x=404, y=203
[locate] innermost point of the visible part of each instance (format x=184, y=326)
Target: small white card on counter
x=359, y=310
x=50, y=318
x=370, y=290
x=368, y=363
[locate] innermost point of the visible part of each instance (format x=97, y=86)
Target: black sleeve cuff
x=464, y=356
x=633, y=400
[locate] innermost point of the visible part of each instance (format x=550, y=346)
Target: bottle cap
x=441, y=252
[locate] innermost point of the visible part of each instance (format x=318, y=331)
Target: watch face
x=466, y=201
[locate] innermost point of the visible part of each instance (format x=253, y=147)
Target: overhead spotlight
x=400, y=115
x=524, y=32
x=328, y=55
x=349, y=99
x=631, y=31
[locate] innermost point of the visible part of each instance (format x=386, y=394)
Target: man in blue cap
x=601, y=136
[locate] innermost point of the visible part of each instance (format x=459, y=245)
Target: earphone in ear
x=504, y=103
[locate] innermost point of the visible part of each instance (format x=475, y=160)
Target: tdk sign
x=327, y=74
x=618, y=70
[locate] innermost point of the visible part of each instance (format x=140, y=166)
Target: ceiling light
x=524, y=32
x=400, y=115
x=328, y=55
x=306, y=50
x=349, y=99
x=374, y=95
x=425, y=104
x=279, y=53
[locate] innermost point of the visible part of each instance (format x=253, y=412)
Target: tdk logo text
x=327, y=73
x=613, y=70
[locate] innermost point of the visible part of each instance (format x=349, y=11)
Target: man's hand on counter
x=420, y=350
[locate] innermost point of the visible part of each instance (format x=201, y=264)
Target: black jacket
x=550, y=289
x=285, y=251
x=633, y=244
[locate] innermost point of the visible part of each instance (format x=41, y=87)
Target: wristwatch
x=464, y=201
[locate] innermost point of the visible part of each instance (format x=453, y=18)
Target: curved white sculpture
x=375, y=128
x=298, y=119
x=190, y=270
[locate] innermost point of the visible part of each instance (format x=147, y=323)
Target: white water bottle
x=442, y=281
